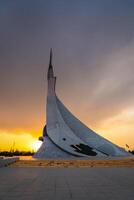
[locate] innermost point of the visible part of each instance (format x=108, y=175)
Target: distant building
x=64, y=136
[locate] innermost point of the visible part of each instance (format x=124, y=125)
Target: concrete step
x=75, y=163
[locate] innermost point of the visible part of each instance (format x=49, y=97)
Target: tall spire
x=50, y=61
x=50, y=69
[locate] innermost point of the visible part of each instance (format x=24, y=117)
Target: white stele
x=67, y=137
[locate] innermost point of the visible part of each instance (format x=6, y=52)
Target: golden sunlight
x=18, y=140
x=120, y=128
x=35, y=145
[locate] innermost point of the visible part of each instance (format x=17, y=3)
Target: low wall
x=7, y=161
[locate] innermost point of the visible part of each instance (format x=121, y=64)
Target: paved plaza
x=66, y=183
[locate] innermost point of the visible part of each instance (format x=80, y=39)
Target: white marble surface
x=49, y=150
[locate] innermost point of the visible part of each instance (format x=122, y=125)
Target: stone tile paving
x=66, y=183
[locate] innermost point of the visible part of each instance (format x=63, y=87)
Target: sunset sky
x=93, y=47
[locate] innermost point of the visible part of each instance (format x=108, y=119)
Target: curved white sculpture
x=66, y=136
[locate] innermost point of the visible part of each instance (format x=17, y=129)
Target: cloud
x=115, y=89
x=93, y=44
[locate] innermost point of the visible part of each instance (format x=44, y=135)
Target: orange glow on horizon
x=118, y=129
x=18, y=140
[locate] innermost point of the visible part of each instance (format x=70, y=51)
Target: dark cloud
x=93, y=57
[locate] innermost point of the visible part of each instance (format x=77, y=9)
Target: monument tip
x=50, y=61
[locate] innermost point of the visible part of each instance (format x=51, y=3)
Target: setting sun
x=35, y=145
